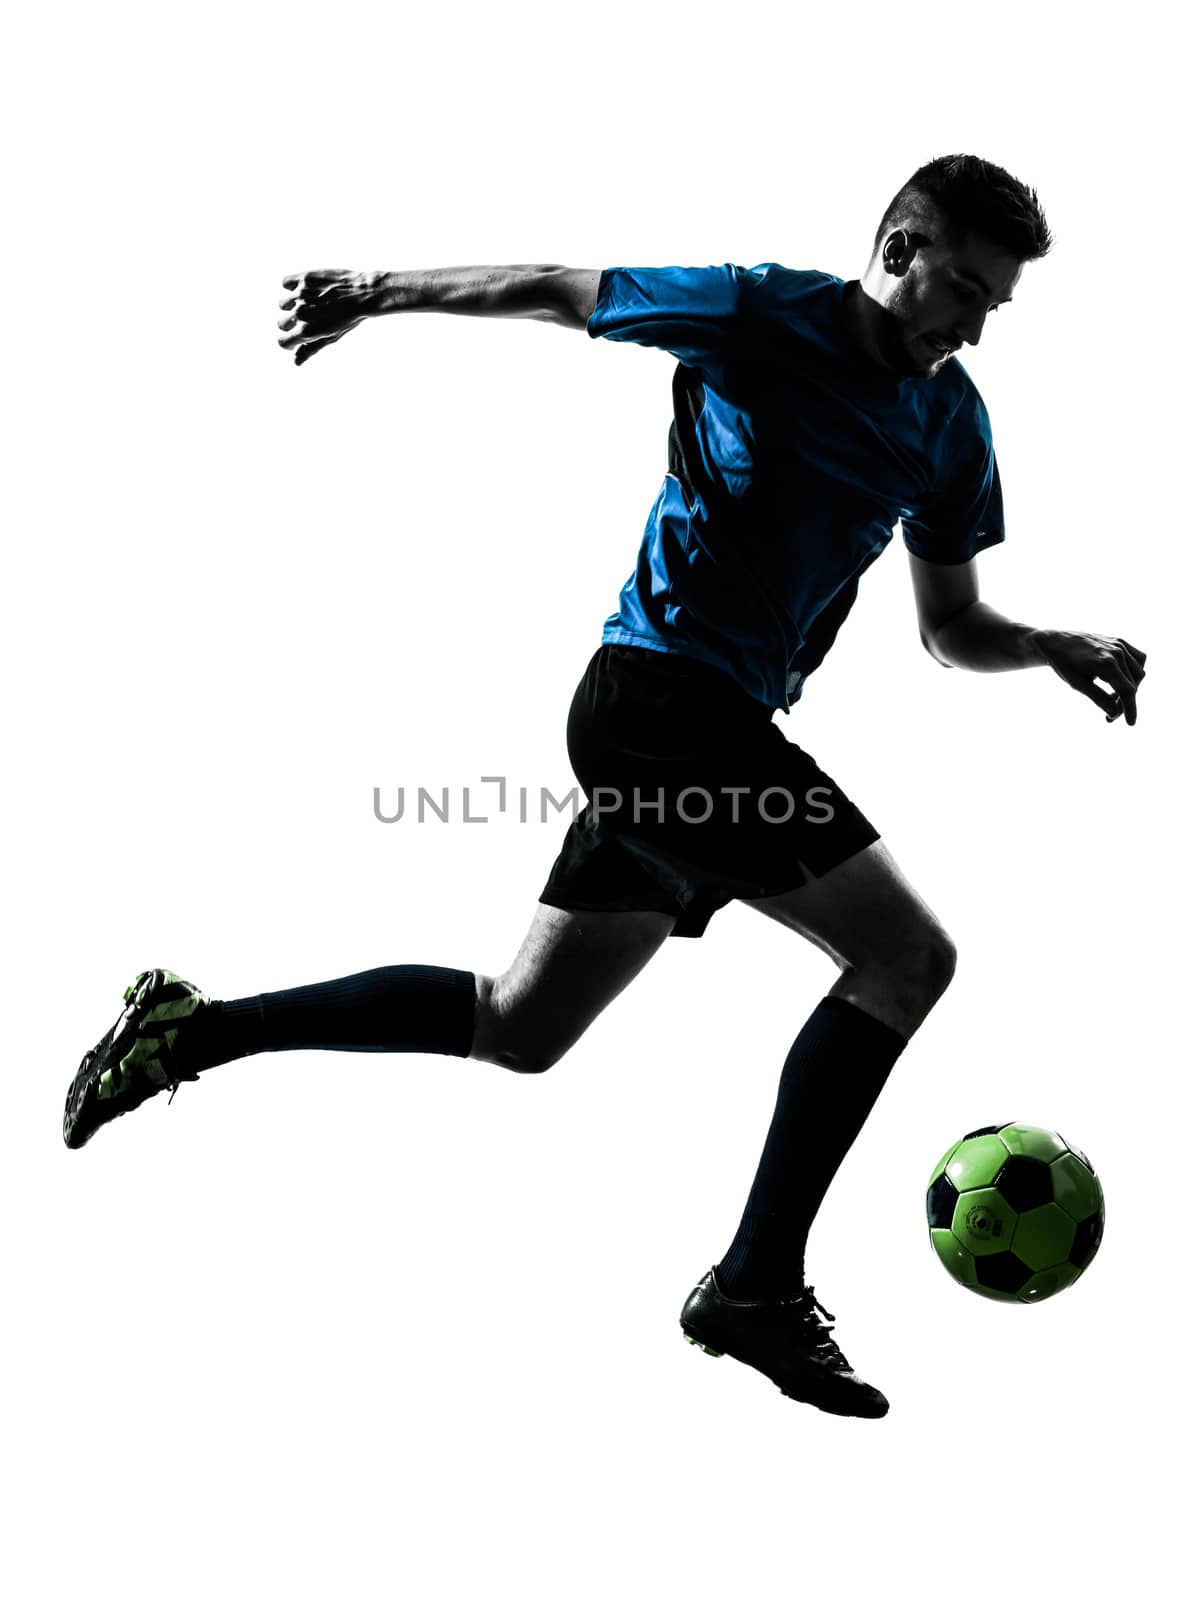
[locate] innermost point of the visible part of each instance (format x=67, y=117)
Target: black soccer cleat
x=786, y=1340
x=136, y=1058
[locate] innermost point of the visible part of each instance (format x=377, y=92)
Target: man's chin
x=923, y=361
x=910, y=358
x=914, y=364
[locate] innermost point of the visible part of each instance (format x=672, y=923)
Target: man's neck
x=866, y=323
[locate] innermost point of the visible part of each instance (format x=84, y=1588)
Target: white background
x=408, y=1325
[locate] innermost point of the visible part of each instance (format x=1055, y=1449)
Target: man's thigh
x=863, y=912
x=570, y=965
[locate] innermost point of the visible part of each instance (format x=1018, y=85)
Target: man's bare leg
x=570, y=966
x=895, y=957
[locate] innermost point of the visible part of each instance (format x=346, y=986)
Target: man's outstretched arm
x=322, y=307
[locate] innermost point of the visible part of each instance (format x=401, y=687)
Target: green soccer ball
x=1015, y=1212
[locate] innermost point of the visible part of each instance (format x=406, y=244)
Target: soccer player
x=811, y=415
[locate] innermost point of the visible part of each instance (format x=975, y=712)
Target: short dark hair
x=973, y=196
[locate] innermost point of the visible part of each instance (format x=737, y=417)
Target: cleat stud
x=707, y=1350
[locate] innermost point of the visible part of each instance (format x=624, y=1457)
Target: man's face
x=942, y=300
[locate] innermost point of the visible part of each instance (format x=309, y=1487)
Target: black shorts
x=695, y=798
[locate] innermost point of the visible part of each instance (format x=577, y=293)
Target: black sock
x=833, y=1075
x=425, y=1009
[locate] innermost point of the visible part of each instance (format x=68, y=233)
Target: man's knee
x=916, y=962
x=502, y=1037
x=526, y=1058
x=927, y=961
x=942, y=960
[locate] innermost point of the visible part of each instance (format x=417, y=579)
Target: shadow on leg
x=895, y=957
x=571, y=964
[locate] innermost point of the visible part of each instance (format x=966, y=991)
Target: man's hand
x=322, y=307
x=1081, y=658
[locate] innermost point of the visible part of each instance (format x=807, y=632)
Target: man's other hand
x=322, y=307
x=1081, y=658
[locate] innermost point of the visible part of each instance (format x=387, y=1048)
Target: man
x=810, y=416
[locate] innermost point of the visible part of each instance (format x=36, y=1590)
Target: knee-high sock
x=410, y=1008
x=833, y=1074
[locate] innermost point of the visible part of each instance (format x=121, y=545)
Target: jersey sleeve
x=964, y=514
x=690, y=311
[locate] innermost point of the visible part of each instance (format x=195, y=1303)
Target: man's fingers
x=311, y=303
x=301, y=334
x=1119, y=667
x=1113, y=672
x=1105, y=701
x=1121, y=700
x=1132, y=667
x=1112, y=669
x=310, y=349
x=314, y=304
x=1126, y=703
x=1138, y=656
x=301, y=331
x=313, y=345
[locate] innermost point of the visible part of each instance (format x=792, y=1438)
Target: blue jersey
x=790, y=461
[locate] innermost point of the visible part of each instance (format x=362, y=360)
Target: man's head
x=949, y=250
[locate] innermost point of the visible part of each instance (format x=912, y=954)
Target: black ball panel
x=1025, y=1183
x=940, y=1201
x=1003, y=1271
x=994, y=1128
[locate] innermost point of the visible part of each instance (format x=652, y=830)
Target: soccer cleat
x=136, y=1058
x=786, y=1340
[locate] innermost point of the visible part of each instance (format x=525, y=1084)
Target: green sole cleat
x=136, y=1058
x=706, y=1348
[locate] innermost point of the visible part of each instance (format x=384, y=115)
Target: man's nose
x=971, y=331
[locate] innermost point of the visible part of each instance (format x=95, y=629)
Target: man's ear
x=900, y=248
